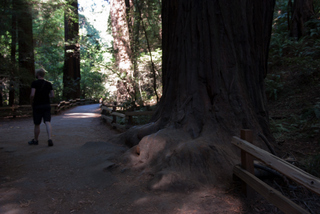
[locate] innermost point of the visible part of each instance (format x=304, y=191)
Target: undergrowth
x=293, y=86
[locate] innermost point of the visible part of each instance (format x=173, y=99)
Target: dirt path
x=72, y=176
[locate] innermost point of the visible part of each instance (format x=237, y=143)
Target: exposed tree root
x=175, y=161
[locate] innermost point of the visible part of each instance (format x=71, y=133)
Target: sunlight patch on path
x=81, y=115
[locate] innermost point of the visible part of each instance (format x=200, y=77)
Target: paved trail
x=72, y=176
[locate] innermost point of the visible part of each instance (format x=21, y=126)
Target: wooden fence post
x=247, y=161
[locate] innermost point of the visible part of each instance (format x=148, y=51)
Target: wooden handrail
x=270, y=194
x=106, y=108
x=112, y=112
x=139, y=113
x=305, y=179
x=57, y=106
x=118, y=114
x=245, y=173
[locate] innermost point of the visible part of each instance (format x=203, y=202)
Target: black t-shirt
x=43, y=88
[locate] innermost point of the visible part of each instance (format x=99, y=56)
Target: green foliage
x=144, y=23
x=289, y=58
x=294, y=73
x=274, y=85
x=302, y=125
x=145, y=77
x=91, y=51
x=48, y=32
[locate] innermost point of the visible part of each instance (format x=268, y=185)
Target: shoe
x=33, y=142
x=50, y=143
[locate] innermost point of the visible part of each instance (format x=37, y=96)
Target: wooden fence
x=245, y=172
x=109, y=114
x=55, y=108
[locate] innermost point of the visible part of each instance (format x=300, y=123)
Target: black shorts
x=41, y=111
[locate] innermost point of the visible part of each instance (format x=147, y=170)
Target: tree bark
x=214, y=64
x=13, y=54
x=71, y=70
x=122, y=48
x=301, y=12
x=26, y=55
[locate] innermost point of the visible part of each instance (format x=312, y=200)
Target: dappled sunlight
x=12, y=211
x=81, y=115
x=142, y=201
x=8, y=202
x=211, y=200
x=205, y=200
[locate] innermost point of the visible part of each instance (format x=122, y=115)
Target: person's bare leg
x=49, y=130
x=36, y=132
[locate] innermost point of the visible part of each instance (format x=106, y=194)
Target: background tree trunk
x=301, y=11
x=71, y=70
x=26, y=55
x=13, y=53
x=214, y=64
x=122, y=48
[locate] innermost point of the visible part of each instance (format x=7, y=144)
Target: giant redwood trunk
x=26, y=55
x=214, y=64
x=302, y=11
x=71, y=70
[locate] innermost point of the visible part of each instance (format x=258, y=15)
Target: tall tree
x=122, y=48
x=26, y=54
x=301, y=12
x=71, y=71
x=13, y=53
x=214, y=64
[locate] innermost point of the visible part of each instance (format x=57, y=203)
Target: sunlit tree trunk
x=301, y=12
x=214, y=63
x=122, y=48
x=133, y=20
x=71, y=70
x=26, y=55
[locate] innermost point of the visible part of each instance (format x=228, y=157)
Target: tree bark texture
x=26, y=55
x=71, y=71
x=122, y=48
x=301, y=12
x=214, y=64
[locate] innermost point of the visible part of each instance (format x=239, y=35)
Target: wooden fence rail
x=245, y=172
x=55, y=108
x=110, y=114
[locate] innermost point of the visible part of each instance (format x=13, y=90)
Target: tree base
x=171, y=160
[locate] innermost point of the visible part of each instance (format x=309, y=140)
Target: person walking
x=41, y=92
